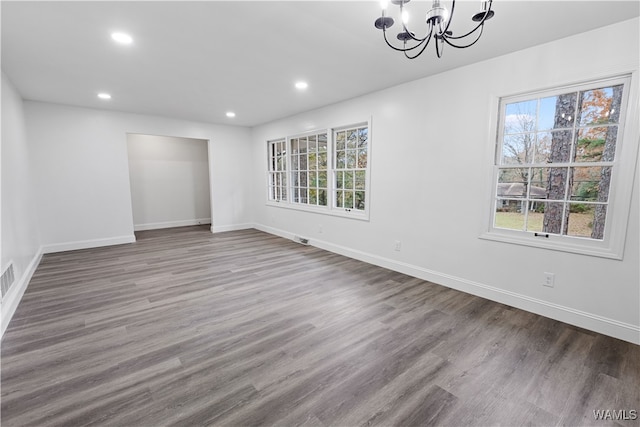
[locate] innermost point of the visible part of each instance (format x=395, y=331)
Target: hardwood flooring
x=187, y=328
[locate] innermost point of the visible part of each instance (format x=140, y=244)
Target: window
x=556, y=165
x=351, y=150
x=277, y=170
x=324, y=171
x=309, y=169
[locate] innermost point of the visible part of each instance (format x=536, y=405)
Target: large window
x=309, y=169
x=557, y=156
x=325, y=171
x=351, y=152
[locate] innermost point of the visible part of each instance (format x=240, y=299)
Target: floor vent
x=7, y=279
x=302, y=240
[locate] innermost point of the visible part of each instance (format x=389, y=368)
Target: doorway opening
x=169, y=179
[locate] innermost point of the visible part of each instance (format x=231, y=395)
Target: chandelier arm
x=400, y=49
x=418, y=39
x=446, y=39
x=480, y=24
x=421, y=50
x=407, y=31
x=453, y=7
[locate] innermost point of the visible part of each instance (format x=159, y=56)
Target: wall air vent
x=7, y=279
x=302, y=240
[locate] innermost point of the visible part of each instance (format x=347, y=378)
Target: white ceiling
x=197, y=60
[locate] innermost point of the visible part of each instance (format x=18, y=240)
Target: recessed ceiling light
x=122, y=38
x=302, y=85
x=104, y=96
x=231, y=114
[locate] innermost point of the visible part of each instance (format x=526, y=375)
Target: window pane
x=322, y=161
x=348, y=179
x=294, y=162
x=520, y=117
x=339, y=179
x=508, y=215
x=341, y=137
x=313, y=196
x=340, y=160
x=322, y=142
x=312, y=144
x=363, y=137
x=313, y=161
x=600, y=105
x=518, y=149
x=352, y=138
x=556, y=179
x=339, y=198
x=303, y=179
x=557, y=112
x=322, y=179
x=302, y=145
x=596, y=144
x=359, y=200
x=560, y=146
x=360, y=180
x=535, y=216
x=553, y=218
x=294, y=145
x=295, y=179
x=303, y=162
x=313, y=179
x=590, y=183
x=351, y=159
x=322, y=197
x=582, y=219
x=513, y=183
x=542, y=148
x=362, y=158
x=348, y=199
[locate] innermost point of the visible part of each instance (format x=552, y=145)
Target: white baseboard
x=171, y=224
x=235, y=227
x=87, y=244
x=593, y=322
x=15, y=293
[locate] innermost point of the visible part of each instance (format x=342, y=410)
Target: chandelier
x=438, y=20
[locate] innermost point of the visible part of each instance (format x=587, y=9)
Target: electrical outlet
x=549, y=279
x=397, y=246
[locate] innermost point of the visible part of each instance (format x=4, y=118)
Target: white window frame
x=335, y=170
x=622, y=178
x=308, y=171
x=272, y=170
x=330, y=208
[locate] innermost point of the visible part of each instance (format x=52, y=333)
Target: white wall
x=82, y=174
x=169, y=181
x=431, y=156
x=20, y=230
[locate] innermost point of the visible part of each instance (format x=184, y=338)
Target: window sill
x=573, y=245
x=322, y=210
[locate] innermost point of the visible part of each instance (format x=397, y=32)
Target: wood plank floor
x=187, y=328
